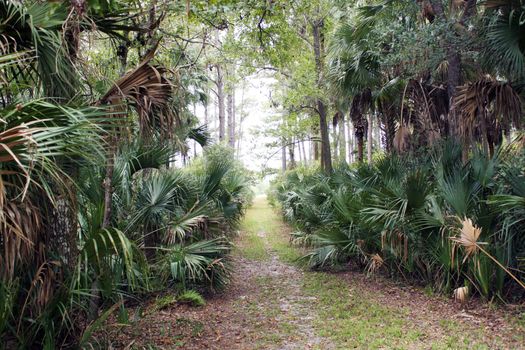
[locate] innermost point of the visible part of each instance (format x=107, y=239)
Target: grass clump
x=164, y=302
x=192, y=298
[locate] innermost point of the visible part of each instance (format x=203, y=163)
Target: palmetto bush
x=401, y=215
x=67, y=160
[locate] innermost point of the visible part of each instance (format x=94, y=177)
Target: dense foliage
x=430, y=94
x=95, y=208
x=404, y=215
x=111, y=189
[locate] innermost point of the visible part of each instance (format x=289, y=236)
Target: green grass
x=348, y=315
x=279, y=243
x=351, y=320
x=191, y=297
x=258, y=219
x=262, y=230
x=164, y=302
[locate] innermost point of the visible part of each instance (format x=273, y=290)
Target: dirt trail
x=272, y=304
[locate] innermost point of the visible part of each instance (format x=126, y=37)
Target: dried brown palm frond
x=468, y=237
x=42, y=288
x=402, y=138
x=20, y=224
x=397, y=241
x=461, y=294
x=149, y=92
x=427, y=12
x=486, y=108
x=20, y=220
x=428, y=108
x=374, y=264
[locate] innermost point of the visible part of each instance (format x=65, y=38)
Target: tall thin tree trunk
x=241, y=118
x=299, y=154
x=215, y=115
x=315, y=146
x=335, y=136
x=206, y=116
x=283, y=155
x=342, y=139
x=377, y=134
x=231, y=119
x=304, y=153
x=220, y=102
x=326, y=157
x=291, y=152
x=360, y=148
x=370, y=140
x=350, y=132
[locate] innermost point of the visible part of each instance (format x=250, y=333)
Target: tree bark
x=326, y=157
x=335, y=135
x=108, y=186
x=369, y=141
x=360, y=147
x=239, y=136
x=377, y=134
x=220, y=101
x=452, y=52
x=231, y=119
x=283, y=155
x=342, y=139
x=291, y=153
x=315, y=145
x=299, y=154
x=350, y=142
x=304, y=153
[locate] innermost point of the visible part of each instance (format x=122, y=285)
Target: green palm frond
x=200, y=135
x=332, y=245
x=504, y=35
x=202, y=262
x=158, y=199
x=36, y=134
x=37, y=28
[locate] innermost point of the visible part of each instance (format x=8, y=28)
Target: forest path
x=274, y=304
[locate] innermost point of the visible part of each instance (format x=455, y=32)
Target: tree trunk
x=299, y=154
x=304, y=153
x=108, y=187
x=360, y=147
x=335, y=136
x=452, y=52
x=315, y=145
x=220, y=102
x=231, y=120
x=206, y=113
x=283, y=155
x=342, y=139
x=350, y=133
x=291, y=152
x=370, y=140
x=377, y=134
x=326, y=157
x=241, y=118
